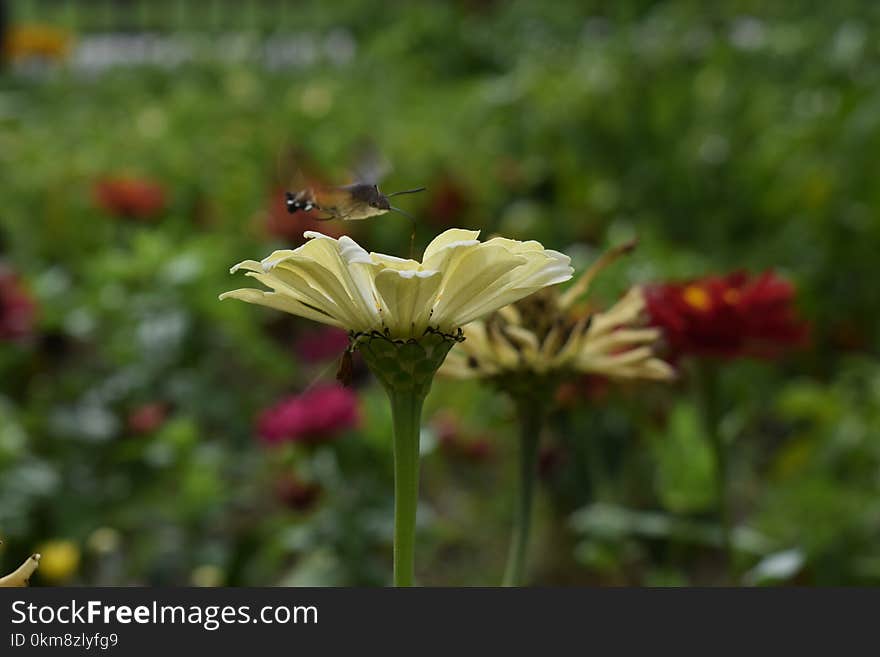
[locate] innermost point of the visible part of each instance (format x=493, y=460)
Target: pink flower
x=17, y=308
x=312, y=417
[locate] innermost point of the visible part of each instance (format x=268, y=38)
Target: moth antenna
x=407, y=191
x=412, y=236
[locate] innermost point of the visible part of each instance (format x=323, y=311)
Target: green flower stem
x=707, y=389
x=530, y=424
x=406, y=369
x=406, y=410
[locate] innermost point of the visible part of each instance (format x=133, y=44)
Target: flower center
x=732, y=297
x=696, y=297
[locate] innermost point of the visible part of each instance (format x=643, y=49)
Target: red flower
x=312, y=417
x=321, y=345
x=17, y=308
x=290, y=227
x=550, y=458
x=129, y=198
x=590, y=387
x=146, y=418
x=448, y=200
x=728, y=316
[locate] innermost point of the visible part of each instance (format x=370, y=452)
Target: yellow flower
x=45, y=41
x=60, y=560
x=548, y=334
x=459, y=280
x=207, y=575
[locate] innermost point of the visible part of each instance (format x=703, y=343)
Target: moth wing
x=295, y=169
x=369, y=165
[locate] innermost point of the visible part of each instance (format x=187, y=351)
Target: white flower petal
x=459, y=280
x=505, y=353
x=622, y=338
x=281, y=302
x=296, y=287
x=572, y=346
x=515, y=246
x=407, y=298
x=449, y=238
x=274, y=258
x=352, y=265
x=540, y=269
x=393, y=262
x=477, y=273
x=247, y=265
x=626, y=311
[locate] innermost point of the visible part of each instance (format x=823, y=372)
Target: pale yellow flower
x=403, y=316
x=550, y=334
x=21, y=575
x=459, y=280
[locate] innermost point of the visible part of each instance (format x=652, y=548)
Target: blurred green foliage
x=736, y=135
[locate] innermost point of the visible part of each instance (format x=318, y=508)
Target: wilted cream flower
x=21, y=576
x=548, y=334
x=527, y=348
x=460, y=279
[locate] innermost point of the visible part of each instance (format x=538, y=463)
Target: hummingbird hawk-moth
x=348, y=203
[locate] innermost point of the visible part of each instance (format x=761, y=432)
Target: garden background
x=145, y=147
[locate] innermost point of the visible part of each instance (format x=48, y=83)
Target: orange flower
x=130, y=198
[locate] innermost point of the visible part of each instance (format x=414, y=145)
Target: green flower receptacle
x=405, y=366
